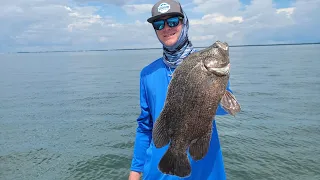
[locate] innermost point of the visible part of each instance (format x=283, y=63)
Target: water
x=72, y=115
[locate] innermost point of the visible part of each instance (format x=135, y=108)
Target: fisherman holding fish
x=151, y=159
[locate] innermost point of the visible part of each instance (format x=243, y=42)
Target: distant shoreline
x=245, y=45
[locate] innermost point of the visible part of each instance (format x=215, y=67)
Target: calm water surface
x=72, y=115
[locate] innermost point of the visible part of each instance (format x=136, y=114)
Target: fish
x=198, y=86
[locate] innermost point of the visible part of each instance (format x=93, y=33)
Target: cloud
x=257, y=23
x=137, y=8
x=114, y=2
x=226, y=7
x=305, y=21
x=83, y=19
x=287, y=11
x=55, y=26
x=66, y=25
x=50, y=24
x=216, y=18
x=203, y=38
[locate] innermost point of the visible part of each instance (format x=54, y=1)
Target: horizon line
x=130, y=49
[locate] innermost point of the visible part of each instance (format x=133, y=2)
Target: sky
x=54, y=25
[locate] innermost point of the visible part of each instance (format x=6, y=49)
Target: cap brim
x=151, y=19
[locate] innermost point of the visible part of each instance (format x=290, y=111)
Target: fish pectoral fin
x=200, y=147
x=230, y=104
x=160, y=133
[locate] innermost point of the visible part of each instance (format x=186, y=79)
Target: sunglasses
x=172, y=22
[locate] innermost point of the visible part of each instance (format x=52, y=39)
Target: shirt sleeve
x=220, y=110
x=143, y=131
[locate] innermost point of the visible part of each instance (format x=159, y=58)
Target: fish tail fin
x=175, y=163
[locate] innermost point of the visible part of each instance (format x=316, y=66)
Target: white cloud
x=226, y=7
x=137, y=8
x=287, y=11
x=216, y=18
x=202, y=38
x=84, y=19
x=63, y=25
x=257, y=23
x=231, y=34
x=115, y=2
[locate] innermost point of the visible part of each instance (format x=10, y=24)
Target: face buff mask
x=174, y=55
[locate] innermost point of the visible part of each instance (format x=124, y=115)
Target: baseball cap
x=165, y=8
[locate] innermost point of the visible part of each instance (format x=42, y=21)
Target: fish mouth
x=221, y=71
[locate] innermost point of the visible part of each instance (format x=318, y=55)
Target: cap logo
x=163, y=7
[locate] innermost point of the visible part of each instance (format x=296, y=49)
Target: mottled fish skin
x=194, y=94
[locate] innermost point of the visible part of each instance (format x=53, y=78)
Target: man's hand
x=134, y=175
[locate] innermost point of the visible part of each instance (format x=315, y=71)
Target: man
x=171, y=27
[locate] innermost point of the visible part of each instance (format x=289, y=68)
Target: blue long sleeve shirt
x=154, y=81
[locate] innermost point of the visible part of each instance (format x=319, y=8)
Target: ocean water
x=73, y=115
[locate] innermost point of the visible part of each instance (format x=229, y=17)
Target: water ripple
x=107, y=166
x=73, y=115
